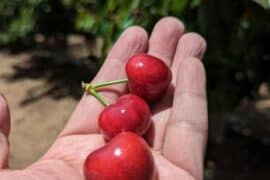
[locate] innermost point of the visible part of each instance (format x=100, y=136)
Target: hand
x=178, y=134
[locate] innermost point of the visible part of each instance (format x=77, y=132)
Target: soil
x=34, y=125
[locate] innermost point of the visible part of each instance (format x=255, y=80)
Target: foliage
x=264, y=3
x=236, y=32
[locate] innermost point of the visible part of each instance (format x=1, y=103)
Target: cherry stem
x=110, y=83
x=91, y=90
x=99, y=97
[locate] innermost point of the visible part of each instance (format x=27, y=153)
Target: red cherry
x=148, y=76
x=126, y=157
x=129, y=113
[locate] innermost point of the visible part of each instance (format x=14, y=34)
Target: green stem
x=86, y=86
x=91, y=90
x=98, y=96
x=109, y=83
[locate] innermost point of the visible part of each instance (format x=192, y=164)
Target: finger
x=164, y=38
x=84, y=119
x=189, y=45
x=4, y=132
x=186, y=133
x=162, y=44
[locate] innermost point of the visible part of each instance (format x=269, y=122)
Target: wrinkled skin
x=178, y=134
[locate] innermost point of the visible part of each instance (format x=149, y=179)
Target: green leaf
x=177, y=6
x=85, y=22
x=165, y=7
x=195, y=3
x=135, y=4
x=67, y=2
x=4, y=38
x=111, y=5
x=23, y=24
x=264, y=3
x=127, y=22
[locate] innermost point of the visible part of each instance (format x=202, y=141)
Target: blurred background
x=48, y=47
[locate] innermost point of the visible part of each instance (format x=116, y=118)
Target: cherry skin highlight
x=149, y=77
x=126, y=157
x=129, y=113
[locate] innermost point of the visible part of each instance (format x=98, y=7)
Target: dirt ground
x=36, y=124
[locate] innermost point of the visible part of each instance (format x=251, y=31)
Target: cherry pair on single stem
x=127, y=156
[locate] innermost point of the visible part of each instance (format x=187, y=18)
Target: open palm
x=179, y=130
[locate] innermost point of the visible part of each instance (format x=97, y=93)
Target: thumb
x=4, y=132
